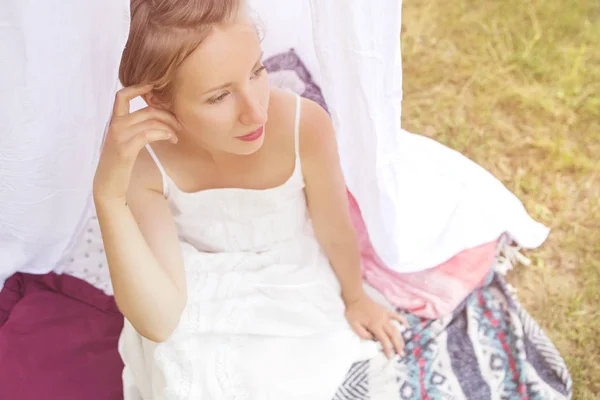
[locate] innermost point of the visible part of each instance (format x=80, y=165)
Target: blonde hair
x=164, y=33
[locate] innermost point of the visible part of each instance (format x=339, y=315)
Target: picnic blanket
x=489, y=348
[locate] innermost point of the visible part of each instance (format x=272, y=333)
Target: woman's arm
x=145, y=262
x=328, y=200
x=139, y=234
x=329, y=211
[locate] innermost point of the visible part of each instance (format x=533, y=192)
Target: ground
x=515, y=86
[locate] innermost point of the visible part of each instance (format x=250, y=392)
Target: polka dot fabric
x=87, y=261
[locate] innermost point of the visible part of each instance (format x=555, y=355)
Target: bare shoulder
x=315, y=124
x=316, y=130
x=282, y=111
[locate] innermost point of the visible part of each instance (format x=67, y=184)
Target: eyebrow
x=223, y=86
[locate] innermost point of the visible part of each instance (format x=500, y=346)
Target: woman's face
x=221, y=91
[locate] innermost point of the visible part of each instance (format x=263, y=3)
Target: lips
x=252, y=136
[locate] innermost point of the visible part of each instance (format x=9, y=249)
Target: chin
x=249, y=148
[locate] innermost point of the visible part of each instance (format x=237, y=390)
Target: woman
x=225, y=219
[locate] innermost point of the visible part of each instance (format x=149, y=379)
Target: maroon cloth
x=58, y=340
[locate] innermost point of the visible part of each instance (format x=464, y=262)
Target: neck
x=194, y=151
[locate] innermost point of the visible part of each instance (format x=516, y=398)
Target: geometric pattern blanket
x=489, y=348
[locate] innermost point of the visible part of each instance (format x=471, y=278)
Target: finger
x=396, y=338
x=399, y=318
x=148, y=113
x=383, y=338
x=125, y=95
x=150, y=125
x=361, y=331
x=135, y=144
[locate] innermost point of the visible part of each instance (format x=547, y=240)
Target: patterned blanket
x=489, y=348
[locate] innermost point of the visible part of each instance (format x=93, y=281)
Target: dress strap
x=163, y=174
x=297, y=127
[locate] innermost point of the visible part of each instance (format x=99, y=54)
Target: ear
x=153, y=101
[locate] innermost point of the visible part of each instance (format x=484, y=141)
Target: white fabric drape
x=358, y=47
x=422, y=202
x=58, y=76
x=287, y=25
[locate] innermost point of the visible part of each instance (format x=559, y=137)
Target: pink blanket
x=432, y=293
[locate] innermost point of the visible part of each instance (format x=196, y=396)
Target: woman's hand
x=128, y=133
x=372, y=321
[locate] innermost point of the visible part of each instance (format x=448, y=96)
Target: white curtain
x=58, y=76
x=358, y=48
x=422, y=202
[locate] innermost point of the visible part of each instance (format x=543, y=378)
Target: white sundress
x=265, y=318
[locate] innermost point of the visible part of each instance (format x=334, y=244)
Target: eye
x=219, y=98
x=259, y=71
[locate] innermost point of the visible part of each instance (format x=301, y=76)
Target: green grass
x=515, y=86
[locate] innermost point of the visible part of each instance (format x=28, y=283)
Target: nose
x=253, y=111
